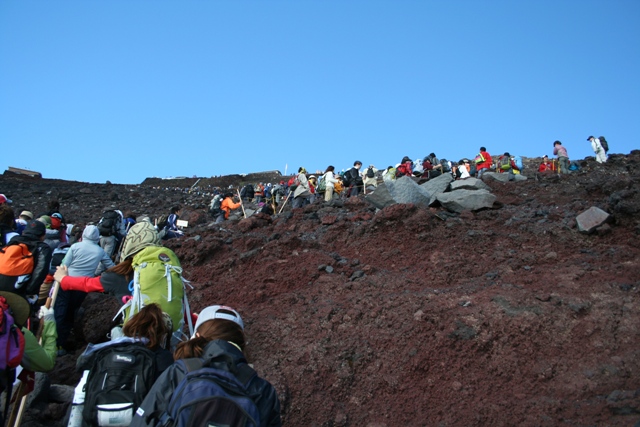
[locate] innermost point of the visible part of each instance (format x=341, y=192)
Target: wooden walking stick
x=241, y=204
x=17, y=411
x=285, y=202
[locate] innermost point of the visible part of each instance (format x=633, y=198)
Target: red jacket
x=488, y=161
x=404, y=169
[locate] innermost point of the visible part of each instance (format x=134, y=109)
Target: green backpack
x=157, y=278
x=322, y=185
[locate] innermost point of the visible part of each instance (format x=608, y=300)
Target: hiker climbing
x=82, y=259
x=153, y=271
x=213, y=373
x=563, y=157
x=598, y=149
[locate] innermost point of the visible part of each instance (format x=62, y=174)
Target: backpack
x=370, y=173
x=162, y=222
x=120, y=377
x=604, y=144
x=293, y=183
x=108, y=224
x=322, y=185
x=157, y=278
x=11, y=352
x=445, y=165
x=212, y=396
x=17, y=262
x=346, y=179
x=214, y=207
x=58, y=255
x=505, y=163
x=479, y=158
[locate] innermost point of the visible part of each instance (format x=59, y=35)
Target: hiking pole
x=17, y=411
x=285, y=202
x=241, y=203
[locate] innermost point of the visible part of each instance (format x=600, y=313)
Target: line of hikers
x=305, y=188
x=159, y=347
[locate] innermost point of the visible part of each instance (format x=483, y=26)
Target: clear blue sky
x=124, y=90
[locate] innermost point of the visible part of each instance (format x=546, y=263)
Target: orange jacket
x=227, y=206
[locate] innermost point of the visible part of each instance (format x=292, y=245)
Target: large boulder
x=469, y=184
x=504, y=177
x=380, y=197
x=437, y=185
x=406, y=190
x=591, y=219
x=466, y=200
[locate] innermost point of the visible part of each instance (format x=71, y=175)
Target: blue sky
x=124, y=90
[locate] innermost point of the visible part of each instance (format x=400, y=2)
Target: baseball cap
x=4, y=199
x=28, y=214
x=589, y=139
x=218, y=312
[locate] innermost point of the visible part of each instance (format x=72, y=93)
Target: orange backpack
x=16, y=259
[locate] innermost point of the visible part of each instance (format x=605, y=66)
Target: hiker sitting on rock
x=483, y=162
x=545, y=165
x=171, y=231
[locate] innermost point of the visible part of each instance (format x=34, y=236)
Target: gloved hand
x=46, y=314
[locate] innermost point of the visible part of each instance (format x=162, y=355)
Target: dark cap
x=589, y=139
x=35, y=229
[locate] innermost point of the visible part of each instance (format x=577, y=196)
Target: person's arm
x=40, y=358
x=78, y=283
x=106, y=261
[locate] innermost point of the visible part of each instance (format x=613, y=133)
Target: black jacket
x=41, y=260
x=158, y=398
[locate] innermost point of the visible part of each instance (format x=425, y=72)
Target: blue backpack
x=208, y=395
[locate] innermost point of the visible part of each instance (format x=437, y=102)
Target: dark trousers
x=67, y=305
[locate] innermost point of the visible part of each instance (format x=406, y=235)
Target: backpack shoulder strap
x=192, y=364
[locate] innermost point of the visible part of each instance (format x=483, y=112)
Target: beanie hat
x=35, y=229
x=91, y=233
x=140, y=236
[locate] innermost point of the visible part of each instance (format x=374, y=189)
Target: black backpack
x=445, y=165
x=120, y=377
x=108, y=224
x=370, y=173
x=604, y=144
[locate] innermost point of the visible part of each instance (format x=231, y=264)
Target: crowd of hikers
x=163, y=364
